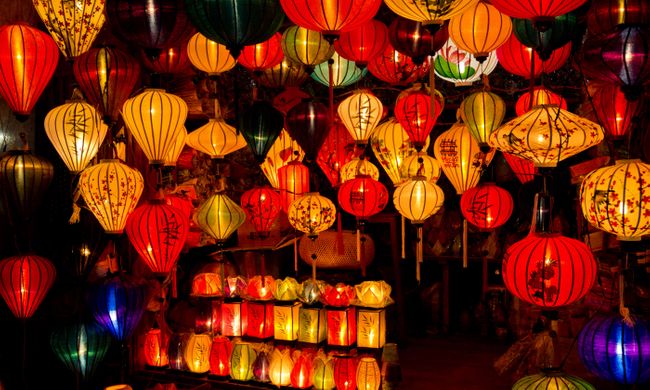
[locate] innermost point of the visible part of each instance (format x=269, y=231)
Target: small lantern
x=429, y=12
x=323, y=372
x=360, y=114
x=309, y=291
x=363, y=43
x=341, y=326
x=241, y=361
x=155, y=348
x=486, y=206
x=261, y=367
x=206, y=284
x=25, y=282
x=358, y=166
x=371, y=328
x=345, y=372
x=520, y=60
x=283, y=151
x=483, y=113
x=373, y=294
x=216, y=138
x=197, y=353
x=524, y=169
x=220, y=217
x=392, y=147
x=305, y=46
x=368, y=374
x=171, y=59
x=417, y=111
x=396, y=68
x=303, y=371
x=176, y=351
x=118, y=304
x=262, y=206
x=235, y=286
x=263, y=55
x=260, y=319
x=261, y=124
x=340, y=295
x=234, y=318
x=312, y=214
x=260, y=288
x=220, y=356
x=312, y=325
x=281, y=366
x=286, y=289
x=286, y=320
x=287, y=74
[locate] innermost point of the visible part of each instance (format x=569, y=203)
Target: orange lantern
x=216, y=138
x=337, y=150
x=524, y=169
x=263, y=55
x=261, y=288
x=293, y=181
x=302, y=372
x=209, y=56
x=260, y=320
x=155, y=348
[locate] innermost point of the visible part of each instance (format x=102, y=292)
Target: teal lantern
x=564, y=29
x=261, y=125
x=344, y=72
x=81, y=347
x=236, y=24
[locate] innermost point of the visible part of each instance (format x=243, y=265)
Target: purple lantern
x=118, y=304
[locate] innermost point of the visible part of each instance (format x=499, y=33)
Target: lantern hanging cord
x=622, y=309
x=23, y=365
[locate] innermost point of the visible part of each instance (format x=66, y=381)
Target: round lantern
x=158, y=232
x=219, y=217
x=368, y=374
x=220, y=352
x=111, y=191
x=362, y=197
x=209, y=56
x=80, y=347
x=359, y=166
x=461, y=157
x=323, y=372
x=480, y=29
x=330, y=17
x=155, y=348
x=344, y=72
x=518, y=59
x=118, y=304
x=417, y=111
x=486, y=206
x=616, y=349
x=216, y=138
x=25, y=282
x=197, y=352
x=293, y=182
x=261, y=367
x=174, y=153
x=613, y=111
x=236, y=24
x=360, y=113
x=415, y=40
x=429, y=11
x=284, y=151
x=312, y=214
x=549, y=270
x=171, y=60
x=261, y=125
x=547, y=135
x=420, y=164
x=524, y=169
x=305, y=46
x=345, y=372
x=540, y=96
x=286, y=74
x=604, y=16
x=302, y=372
x=483, y=113
x=262, y=206
x=392, y=147
x=73, y=26
x=363, y=43
x=552, y=380
x=241, y=361
x=417, y=199
x=337, y=150
x=396, y=68
x=308, y=123
x=263, y=55
x=563, y=30
x=107, y=76
x=460, y=67
x=281, y=366
x=76, y=131
x=616, y=199
x=542, y=12
x=28, y=59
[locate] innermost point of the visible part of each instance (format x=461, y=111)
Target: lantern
x=549, y=270
x=417, y=111
x=341, y=326
x=260, y=320
x=111, y=191
x=371, y=328
x=261, y=125
x=176, y=149
x=429, y=11
x=392, y=147
x=262, y=206
x=460, y=67
x=155, y=118
x=615, y=199
x=550, y=379
x=283, y=152
x=360, y=114
x=176, y=351
x=285, y=320
x=605, y=16
x=80, y=347
x=483, y=113
x=542, y=12
x=286, y=289
x=220, y=352
x=171, y=60
x=220, y=217
x=359, y=166
x=281, y=366
x=480, y=29
x=236, y=24
x=293, y=182
x=285, y=74
x=28, y=59
x=520, y=60
x=302, y=372
x=312, y=325
x=208, y=316
x=261, y=367
x=413, y=39
x=311, y=214
x=234, y=319
x=563, y=30
x=155, y=348
x=344, y=72
x=241, y=361
x=25, y=282
x=373, y=294
x=197, y=352
x=486, y=206
x=308, y=123
x=107, y=76
x=76, y=131
x=363, y=196
x=260, y=288
x=263, y=55
x=540, y=96
x=340, y=295
x=305, y=46
x=337, y=150
x=235, y=286
x=309, y=291
x=206, y=284
x=345, y=372
x=323, y=372
x=547, y=135
x=216, y=138
x=524, y=169
x=368, y=374
x=420, y=164
x=209, y=56
x=330, y=17
x=396, y=68
x=181, y=202
x=363, y=43
x=613, y=111
x=118, y=305
x=616, y=349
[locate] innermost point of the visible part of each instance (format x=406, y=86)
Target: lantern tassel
x=340, y=246
x=403, y=237
x=76, y=210
x=464, y=243
x=418, y=254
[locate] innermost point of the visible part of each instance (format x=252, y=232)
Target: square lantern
x=234, y=318
x=313, y=325
x=341, y=326
x=285, y=320
x=260, y=320
x=371, y=328
x=208, y=317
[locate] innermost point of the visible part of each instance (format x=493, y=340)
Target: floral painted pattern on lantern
x=312, y=213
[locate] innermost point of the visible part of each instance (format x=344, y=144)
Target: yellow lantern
x=392, y=147
x=280, y=367
x=241, y=361
x=358, y=166
x=76, y=131
x=616, y=199
x=305, y=46
x=368, y=374
x=461, y=157
x=421, y=164
x=429, y=11
x=312, y=325
x=373, y=294
x=312, y=214
x=155, y=119
x=480, y=29
x=286, y=289
x=360, y=114
x=209, y=56
x=111, y=191
x=483, y=113
x=547, y=135
x=176, y=149
x=74, y=25
x=216, y=138
x=283, y=151
x=286, y=321
x=197, y=352
x=323, y=372
x=220, y=217
x=371, y=328
x=118, y=387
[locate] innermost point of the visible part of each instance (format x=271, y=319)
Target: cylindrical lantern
x=368, y=374
x=486, y=206
x=344, y=72
x=551, y=379
x=305, y=46
x=118, y=304
x=220, y=352
x=363, y=43
x=392, y=147
x=396, y=68
x=281, y=366
x=302, y=372
x=241, y=361
x=234, y=318
x=540, y=96
x=284, y=151
x=308, y=122
x=337, y=150
x=518, y=59
x=197, y=352
x=480, y=29
x=360, y=113
x=263, y=55
x=460, y=67
x=262, y=205
x=219, y=217
x=312, y=214
x=613, y=111
x=25, y=282
x=80, y=347
x=293, y=181
x=209, y=56
x=415, y=40
x=261, y=125
x=155, y=348
x=483, y=113
x=417, y=113
x=345, y=372
x=323, y=372
x=429, y=11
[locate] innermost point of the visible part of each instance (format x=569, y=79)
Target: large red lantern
x=363, y=43
x=263, y=55
x=604, y=16
x=541, y=12
x=415, y=40
x=517, y=59
x=540, y=96
x=293, y=180
x=25, y=282
x=171, y=60
x=524, y=169
x=262, y=205
x=28, y=59
x=613, y=111
x=158, y=232
x=338, y=149
x=308, y=123
x=417, y=114
x=486, y=206
x=396, y=68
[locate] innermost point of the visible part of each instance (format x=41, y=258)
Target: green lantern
x=564, y=29
x=304, y=46
x=261, y=125
x=323, y=372
x=483, y=113
x=241, y=361
x=344, y=72
x=551, y=379
x=80, y=347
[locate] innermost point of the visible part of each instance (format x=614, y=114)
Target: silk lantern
x=392, y=146
x=341, y=326
x=550, y=379
x=261, y=125
x=540, y=96
x=345, y=372
x=360, y=113
x=118, y=304
x=564, y=29
x=429, y=12
x=363, y=43
x=420, y=164
x=286, y=74
x=312, y=214
x=262, y=206
x=483, y=113
x=293, y=182
x=312, y=324
x=302, y=371
x=219, y=217
x=344, y=72
x=197, y=352
x=371, y=328
x=263, y=55
x=28, y=59
x=171, y=60
x=368, y=374
x=417, y=111
x=396, y=68
x=107, y=76
x=220, y=352
x=460, y=67
x=547, y=135
x=234, y=318
x=260, y=288
x=415, y=40
x=174, y=152
x=241, y=361
x=486, y=206
x=155, y=348
x=176, y=351
x=524, y=169
x=337, y=150
x=305, y=46
x=80, y=347
x=605, y=16
x=616, y=199
x=283, y=151
x=541, y=12
x=209, y=56
x=613, y=111
x=323, y=372
x=111, y=191
x=359, y=166
x=25, y=282
x=480, y=29
x=281, y=366
x=523, y=61
x=207, y=318
x=216, y=138
x=308, y=123
x=260, y=320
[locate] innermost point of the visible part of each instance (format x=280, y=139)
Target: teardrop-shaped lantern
x=312, y=214
x=293, y=182
x=177, y=148
x=518, y=59
x=460, y=67
x=111, y=191
x=80, y=347
x=308, y=123
x=480, y=29
x=363, y=43
x=360, y=113
x=486, y=206
x=283, y=151
x=564, y=29
x=429, y=11
x=344, y=72
x=209, y=56
x=118, y=304
x=337, y=150
x=263, y=55
x=286, y=74
x=219, y=217
x=415, y=40
x=261, y=125
x=483, y=113
x=305, y=46
x=262, y=206
x=216, y=138
x=25, y=282
x=392, y=147
x=396, y=68
x=540, y=96
x=417, y=113
x=613, y=111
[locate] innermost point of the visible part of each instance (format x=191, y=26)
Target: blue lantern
x=118, y=304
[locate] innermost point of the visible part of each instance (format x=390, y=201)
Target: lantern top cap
x=628, y=161
x=552, y=371
x=155, y=90
x=546, y=106
x=109, y=160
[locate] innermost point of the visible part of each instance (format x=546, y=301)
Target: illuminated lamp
x=216, y=138
x=171, y=60
x=286, y=74
x=605, y=16
x=285, y=320
x=483, y=113
x=311, y=214
x=234, y=318
x=176, y=351
x=540, y=96
x=358, y=166
x=80, y=347
x=241, y=361
x=118, y=304
x=518, y=59
x=261, y=56
x=337, y=150
x=614, y=112
x=197, y=353
x=363, y=43
x=417, y=111
x=392, y=146
x=25, y=282
x=219, y=217
x=429, y=12
x=460, y=67
x=209, y=56
x=220, y=352
x=524, y=169
x=305, y=46
x=368, y=374
x=261, y=367
x=280, y=367
x=345, y=372
x=396, y=68
x=542, y=12
x=344, y=72
x=420, y=164
x=552, y=379
x=284, y=151
x=302, y=371
x=262, y=206
x=486, y=206
x=323, y=372
x=261, y=125
x=415, y=40
x=155, y=348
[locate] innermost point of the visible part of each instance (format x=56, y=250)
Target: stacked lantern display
x=341, y=317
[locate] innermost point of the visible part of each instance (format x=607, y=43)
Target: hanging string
x=295, y=254
x=622, y=309
x=24, y=355
x=313, y=267
x=418, y=254
x=464, y=243
x=403, y=228
x=531, y=87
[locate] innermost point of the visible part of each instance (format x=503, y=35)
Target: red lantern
x=293, y=180
x=302, y=371
x=517, y=58
x=363, y=43
x=614, y=112
x=549, y=270
x=363, y=196
x=486, y=206
x=540, y=96
x=338, y=296
x=172, y=60
x=308, y=123
x=415, y=40
x=155, y=348
x=28, y=59
x=260, y=288
x=220, y=356
x=289, y=98
x=337, y=150
x=542, y=12
x=263, y=55
x=260, y=320
x=604, y=16
x=262, y=205
x=25, y=282
x=158, y=233
x=525, y=170
x=395, y=68
x=345, y=372
x=181, y=202
x=416, y=114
